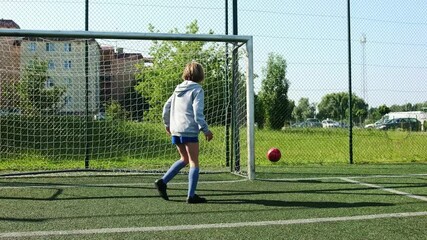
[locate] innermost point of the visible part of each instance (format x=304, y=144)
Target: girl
x=184, y=119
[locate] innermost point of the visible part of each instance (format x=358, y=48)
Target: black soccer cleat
x=196, y=199
x=161, y=188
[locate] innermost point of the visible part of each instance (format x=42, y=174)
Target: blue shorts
x=180, y=139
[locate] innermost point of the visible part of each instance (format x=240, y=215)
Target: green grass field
x=296, y=202
x=311, y=193
x=59, y=143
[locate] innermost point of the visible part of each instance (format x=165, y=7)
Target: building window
x=67, y=64
x=49, y=82
x=51, y=64
x=67, y=100
x=68, y=81
x=67, y=47
x=50, y=47
x=32, y=46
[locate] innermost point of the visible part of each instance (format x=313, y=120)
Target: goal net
x=93, y=101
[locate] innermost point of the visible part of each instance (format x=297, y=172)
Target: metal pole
x=350, y=102
x=235, y=23
x=87, y=150
x=364, y=89
x=250, y=108
x=235, y=127
x=227, y=89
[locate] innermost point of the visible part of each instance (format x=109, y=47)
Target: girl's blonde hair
x=193, y=72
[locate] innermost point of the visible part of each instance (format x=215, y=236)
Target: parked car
x=12, y=111
x=401, y=123
x=374, y=125
x=329, y=123
x=99, y=116
x=308, y=123
x=313, y=122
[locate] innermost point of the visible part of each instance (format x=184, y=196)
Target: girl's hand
x=168, y=131
x=208, y=135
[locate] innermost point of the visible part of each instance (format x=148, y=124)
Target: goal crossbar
x=125, y=35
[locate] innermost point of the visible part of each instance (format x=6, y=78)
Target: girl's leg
x=193, y=176
x=160, y=184
x=178, y=165
x=192, y=150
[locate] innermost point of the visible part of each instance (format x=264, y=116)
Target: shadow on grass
x=44, y=185
x=56, y=197
x=59, y=188
x=11, y=219
x=359, y=191
x=306, y=204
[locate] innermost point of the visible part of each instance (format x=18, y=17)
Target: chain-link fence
x=301, y=46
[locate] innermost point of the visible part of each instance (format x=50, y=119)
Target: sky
x=311, y=35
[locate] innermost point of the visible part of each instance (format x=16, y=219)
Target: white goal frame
x=247, y=40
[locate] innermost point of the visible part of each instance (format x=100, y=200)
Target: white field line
x=338, y=177
x=386, y=189
x=66, y=185
x=207, y=226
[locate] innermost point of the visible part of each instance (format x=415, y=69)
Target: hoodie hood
x=185, y=86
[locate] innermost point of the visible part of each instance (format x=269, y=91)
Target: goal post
x=78, y=100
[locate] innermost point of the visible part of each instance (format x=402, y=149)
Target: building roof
x=129, y=55
x=7, y=23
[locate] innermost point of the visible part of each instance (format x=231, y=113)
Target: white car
x=14, y=111
x=374, y=125
x=99, y=117
x=328, y=123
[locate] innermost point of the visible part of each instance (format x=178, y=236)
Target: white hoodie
x=183, y=111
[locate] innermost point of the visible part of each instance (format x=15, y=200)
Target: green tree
x=304, y=110
x=115, y=111
x=259, y=112
x=35, y=94
x=157, y=81
x=134, y=103
x=335, y=106
x=397, y=108
x=373, y=115
x=274, y=92
x=383, y=110
x=420, y=106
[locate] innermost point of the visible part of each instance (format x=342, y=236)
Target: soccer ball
x=274, y=154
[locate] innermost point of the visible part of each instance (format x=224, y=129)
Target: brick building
x=10, y=50
x=117, y=77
